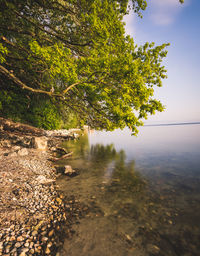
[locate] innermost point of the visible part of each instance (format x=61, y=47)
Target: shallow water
x=143, y=192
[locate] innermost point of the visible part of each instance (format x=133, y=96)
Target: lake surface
x=143, y=192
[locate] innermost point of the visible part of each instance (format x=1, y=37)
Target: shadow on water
x=129, y=215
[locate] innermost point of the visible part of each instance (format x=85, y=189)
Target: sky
x=168, y=21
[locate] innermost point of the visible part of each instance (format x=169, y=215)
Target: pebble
x=49, y=244
x=32, y=251
x=44, y=210
x=47, y=251
x=34, y=233
x=24, y=252
x=26, y=244
x=44, y=239
x=17, y=245
x=20, y=239
x=51, y=233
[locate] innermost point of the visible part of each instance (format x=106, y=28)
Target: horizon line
x=170, y=124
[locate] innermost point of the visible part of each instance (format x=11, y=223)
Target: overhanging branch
x=16, y=80
x=12, y=77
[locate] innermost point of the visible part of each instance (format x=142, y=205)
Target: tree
x=74, y=54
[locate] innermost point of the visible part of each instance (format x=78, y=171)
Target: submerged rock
x=67, y=170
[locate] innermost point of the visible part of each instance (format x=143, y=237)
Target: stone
x=34, y=233
x=20, y=238
x=22, y=152
x=59, y=200
x=41, y=179
x=16, y=148
x=49, y=244
x=39, y=143
x=12, y=154
x=13, y=251
x=8, y=249
x=69, y=171
x=152, y=248
x=76, y=135
x=24, y=252
x=44, y=239
x=31, y=251
x=6, y=143
x=51, y=233
x=47, y=251
x=17, y=245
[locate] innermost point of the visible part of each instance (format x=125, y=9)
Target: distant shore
x=170, y=124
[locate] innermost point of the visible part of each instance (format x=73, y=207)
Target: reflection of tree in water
x=101, y=158
x=80, y=147
x=123, y=181
x=125, y=175
x=125, y=192
x=103, y=153
x=147, y=217
x=124, y=186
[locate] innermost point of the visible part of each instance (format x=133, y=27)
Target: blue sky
x=167, y=21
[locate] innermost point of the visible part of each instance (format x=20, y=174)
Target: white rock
x=41, y=179
x=13, y=154
x=22, y=152
x=68, y=169
x=15, y=148
x=39, y=143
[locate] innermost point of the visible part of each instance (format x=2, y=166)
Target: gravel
x=33, y=215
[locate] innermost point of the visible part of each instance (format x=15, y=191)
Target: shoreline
x=33, y=213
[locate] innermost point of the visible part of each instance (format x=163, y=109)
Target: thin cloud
x=164, y=12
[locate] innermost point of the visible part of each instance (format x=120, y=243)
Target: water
x=143, y=192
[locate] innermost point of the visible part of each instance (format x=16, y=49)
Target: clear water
x=144, y=192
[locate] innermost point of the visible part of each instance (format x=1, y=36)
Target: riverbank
x=33, y=213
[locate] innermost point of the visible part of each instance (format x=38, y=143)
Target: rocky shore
x=33, y=214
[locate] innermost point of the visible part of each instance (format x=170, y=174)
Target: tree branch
x=55, y=34
x=71, y=86
x=83, y=82
x=18, y=31
x=12, y=77
x=5, y=40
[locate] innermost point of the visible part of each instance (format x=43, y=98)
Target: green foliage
x=45, y=115
x=59, y=60
x=70, y=120
x=3, y=52
x=40, y=113
x=74, y=56
x=12, y=106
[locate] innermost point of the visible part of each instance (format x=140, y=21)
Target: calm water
x=144, y=192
